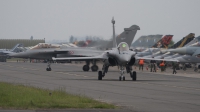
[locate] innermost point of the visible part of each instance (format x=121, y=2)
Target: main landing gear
x=94, y=67
x=103, y=72
x=86, y=67
x=48, y=66
x=133, y=74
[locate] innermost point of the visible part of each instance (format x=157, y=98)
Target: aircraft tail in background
x=163, y=42
x=16, y=48
x=185, y=40
x=196, y=39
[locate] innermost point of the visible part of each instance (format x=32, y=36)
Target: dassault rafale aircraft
x=120, y=56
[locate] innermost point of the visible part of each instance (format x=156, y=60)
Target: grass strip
x=14, y=96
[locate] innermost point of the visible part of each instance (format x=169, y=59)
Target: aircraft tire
x=47, y=69
x=94, y=68
x=120, y=78
x=134, y=76
x=86, y=68
x=100, y=75
x=123, y=78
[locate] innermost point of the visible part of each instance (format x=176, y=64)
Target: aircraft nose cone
x=12, y=54
x=17, y=55
x=125, y=58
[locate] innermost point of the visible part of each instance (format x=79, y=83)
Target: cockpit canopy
x=45, y=45
x=123, y=46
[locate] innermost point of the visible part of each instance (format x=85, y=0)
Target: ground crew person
x=141, y=64
x=174, y=67
x=162, y=65
x=153, y=65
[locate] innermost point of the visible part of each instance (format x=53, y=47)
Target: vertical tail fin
x=128, y=35
x=164, y=42
x=15, y=48
x=184, y=41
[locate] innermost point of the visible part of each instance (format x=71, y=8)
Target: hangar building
x=10, y=43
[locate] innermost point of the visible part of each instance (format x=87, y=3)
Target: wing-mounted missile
x=197, y=52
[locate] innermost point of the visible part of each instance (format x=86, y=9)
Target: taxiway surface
x=152, y=92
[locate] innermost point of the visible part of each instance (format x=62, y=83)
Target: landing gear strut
x=122, y=77
x=102, y=73
x=48, y=66
x=104, y=69
x=133, y=75
x=128, y=69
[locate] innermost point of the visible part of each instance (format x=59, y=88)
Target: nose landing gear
x=48, y=66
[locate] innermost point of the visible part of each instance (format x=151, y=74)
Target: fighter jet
x=188, y=54
x=154, y=50
x=126, y=36
x=174, y=53
x=190, y=50
x=120, y=56
x=182, y=55
x=160, y=53
x=4, y=53
x=46, y=51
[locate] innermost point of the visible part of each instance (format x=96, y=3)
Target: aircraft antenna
x=114, y=40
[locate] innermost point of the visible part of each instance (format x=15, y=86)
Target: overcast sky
x=59, y=19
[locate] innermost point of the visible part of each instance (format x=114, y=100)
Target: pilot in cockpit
x=123, y=46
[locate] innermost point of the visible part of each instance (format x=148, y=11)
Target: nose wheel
x=122, y=77
x=48, y=66
x=48, y=69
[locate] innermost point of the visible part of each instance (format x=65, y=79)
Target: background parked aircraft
x=5, y=52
